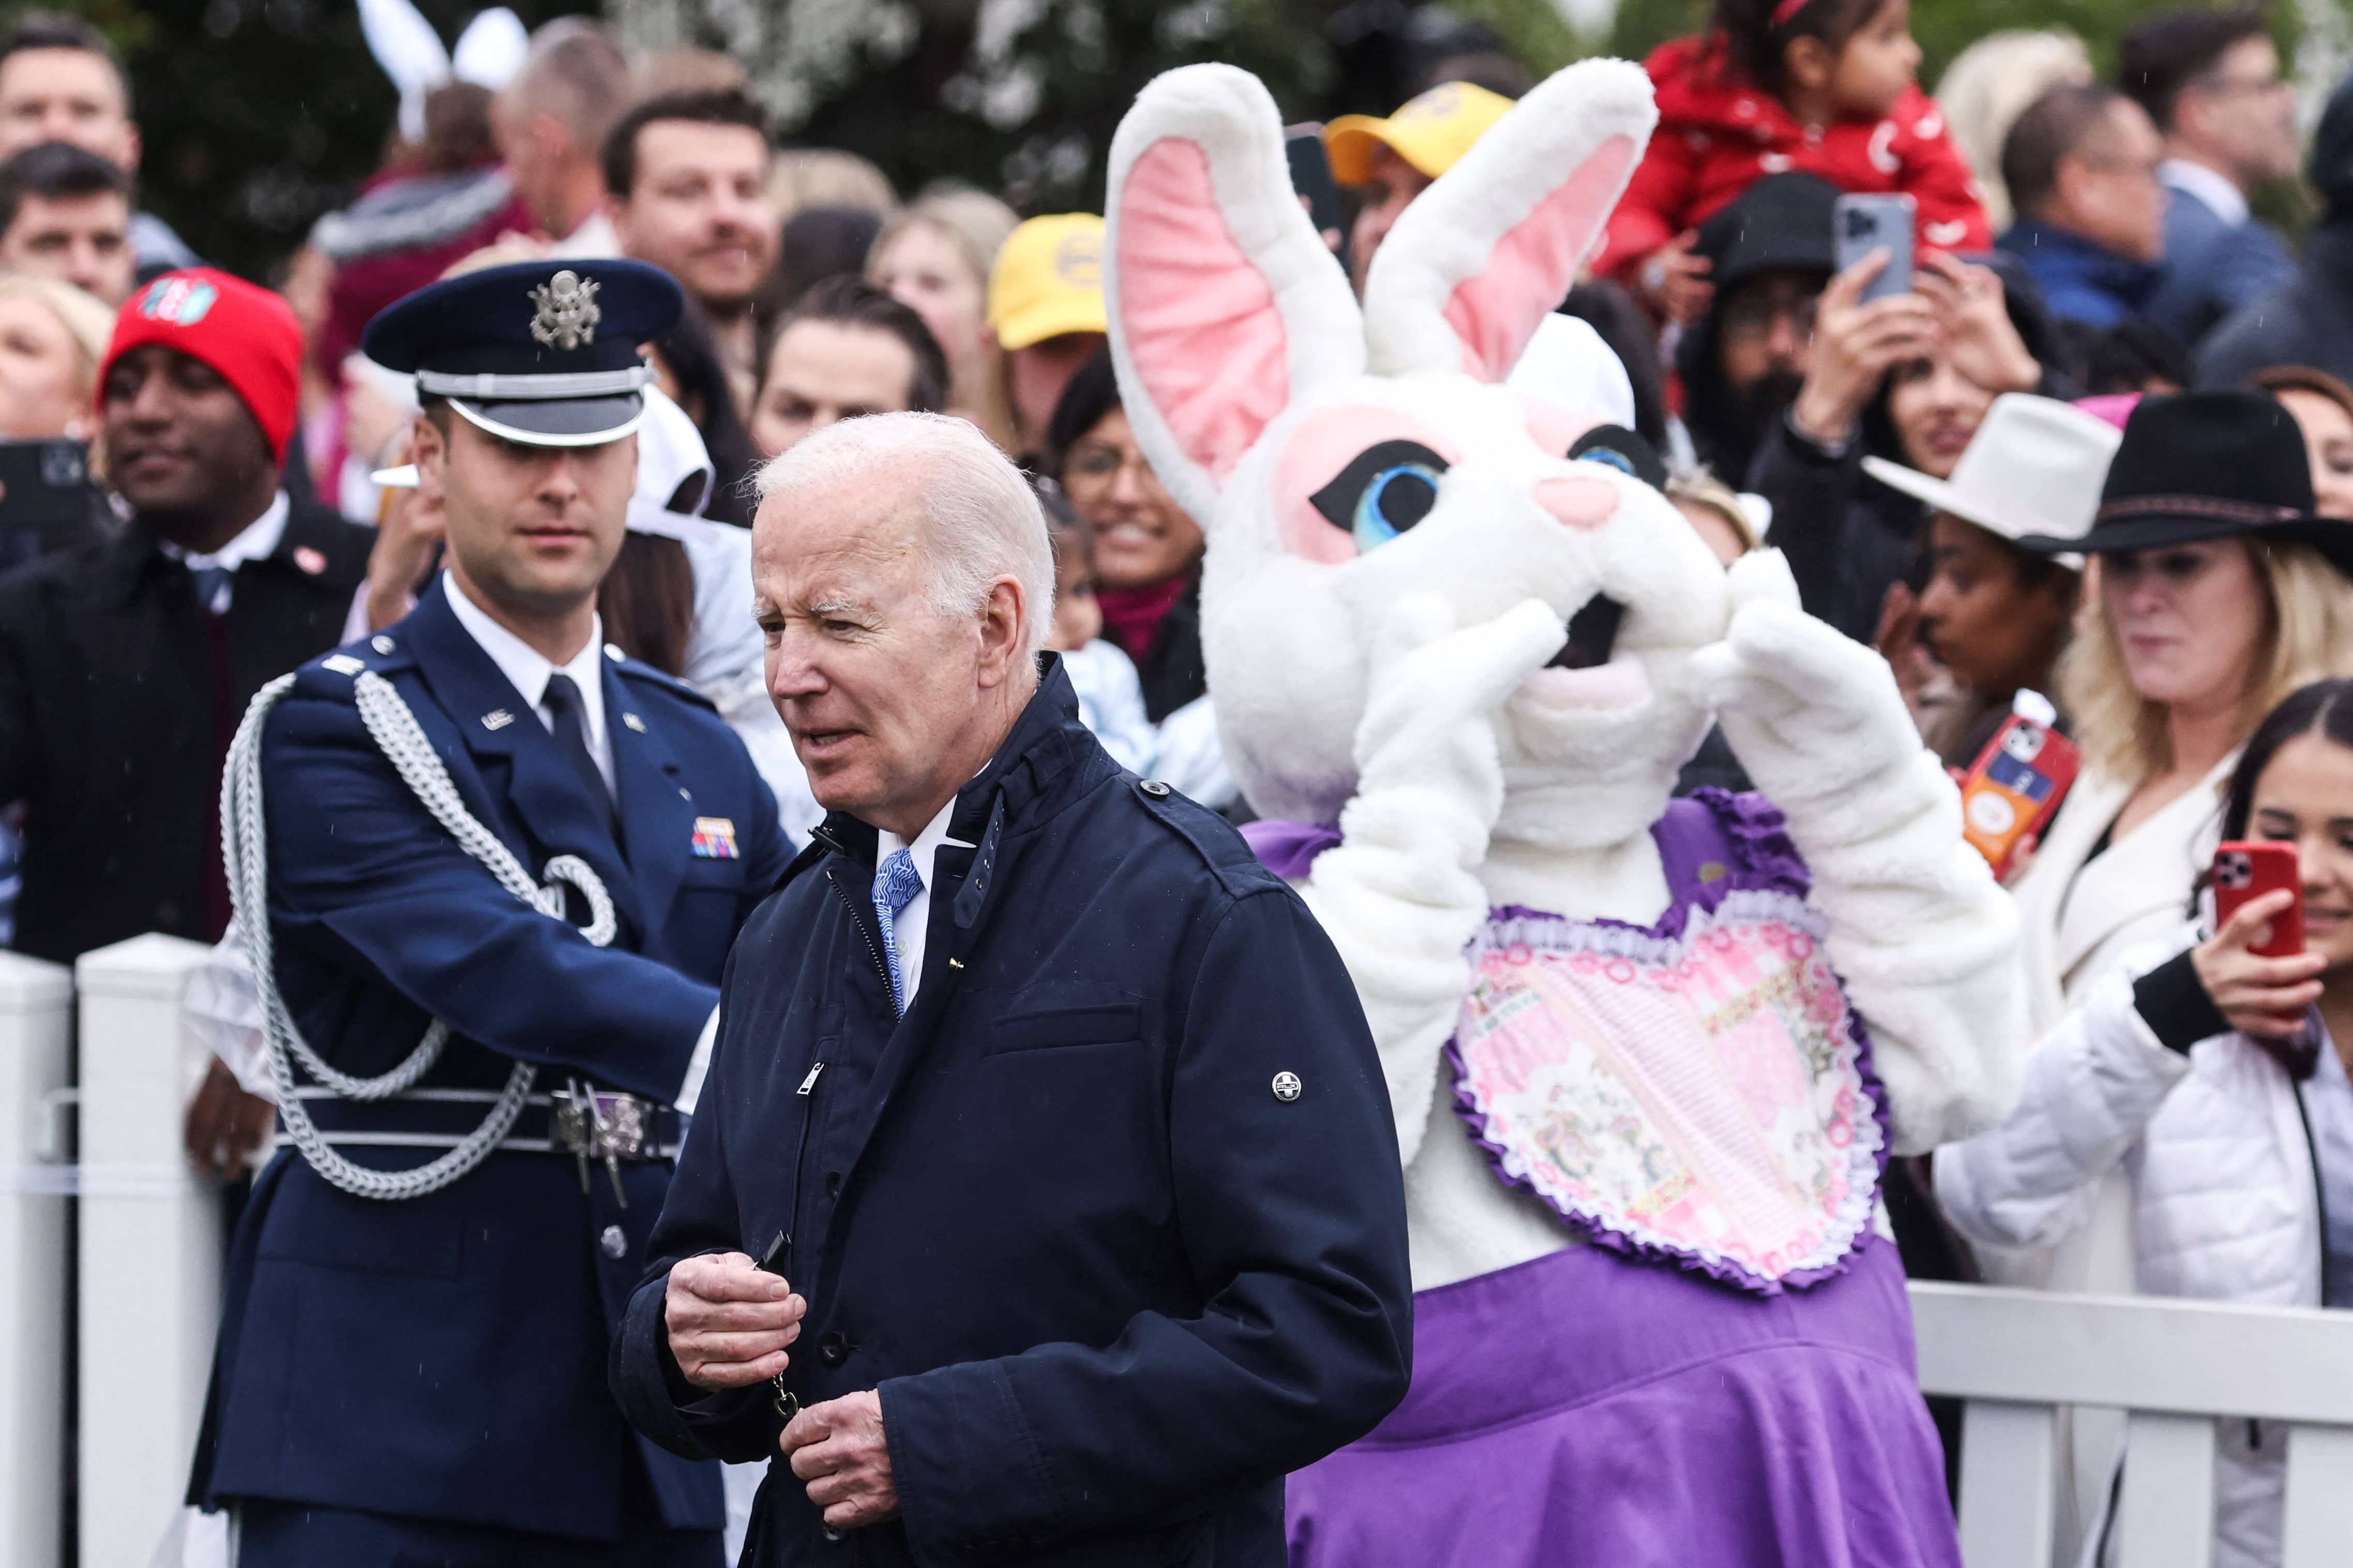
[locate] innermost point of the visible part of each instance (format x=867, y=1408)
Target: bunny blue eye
x=1397, y=497
x=1384, y=490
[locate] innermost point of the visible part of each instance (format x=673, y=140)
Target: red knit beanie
x=247, y=334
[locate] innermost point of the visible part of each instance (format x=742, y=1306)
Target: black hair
x=2324, y=708
x=690, y=354
x=1091, y=394
x=49, y=30
x=846, y=300
x=817, y=243
x=2168, y=51
x=2131, y=354
x=55, y=172
x=1755, y=43
x=1065, y=528
x=646, y=601
x=2053, y=127
x=726, y=107
x=1612, y=312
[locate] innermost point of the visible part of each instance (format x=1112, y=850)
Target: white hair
x=985, y=519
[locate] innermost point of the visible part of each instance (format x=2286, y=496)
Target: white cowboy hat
x=2035, y=465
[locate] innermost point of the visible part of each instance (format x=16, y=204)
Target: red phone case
x=2244, y=872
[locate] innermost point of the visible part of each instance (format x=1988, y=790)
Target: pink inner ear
x=1202, y=331
x=1496, y=312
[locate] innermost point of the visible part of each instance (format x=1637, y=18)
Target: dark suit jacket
x=2307, y=320
x=2211, y=267
x=441, y=1357
x=117, y=694
x=1110, y=1284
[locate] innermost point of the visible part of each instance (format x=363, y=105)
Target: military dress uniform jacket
x=1113, y=1275
x=442, y=1357
x=118, y=695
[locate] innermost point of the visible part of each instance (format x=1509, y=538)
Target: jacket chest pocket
x=1057, y=1023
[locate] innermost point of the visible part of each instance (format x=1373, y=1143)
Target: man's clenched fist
x=729, y=1324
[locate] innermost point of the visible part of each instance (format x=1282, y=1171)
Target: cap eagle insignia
x=565, y=311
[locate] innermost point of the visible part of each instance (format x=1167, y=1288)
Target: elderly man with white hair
x=1042, y=1202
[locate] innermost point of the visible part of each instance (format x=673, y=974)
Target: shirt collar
x=2215, y=190
x=526, y=667
x=925, y=849
x=256, y=541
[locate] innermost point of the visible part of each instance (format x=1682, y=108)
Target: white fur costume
x=1404, y=693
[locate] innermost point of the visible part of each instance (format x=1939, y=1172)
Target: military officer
x=487, y=816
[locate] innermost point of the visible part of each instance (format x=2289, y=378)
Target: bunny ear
x=1224, y=305
x=1479, y=258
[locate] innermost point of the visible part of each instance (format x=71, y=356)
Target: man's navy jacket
x=1110, y=1283
x=441, y=1357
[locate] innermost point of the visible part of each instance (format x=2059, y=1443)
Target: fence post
x=150, y=1248
x=36, y=1025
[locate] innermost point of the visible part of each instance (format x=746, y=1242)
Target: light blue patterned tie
x=895, y=886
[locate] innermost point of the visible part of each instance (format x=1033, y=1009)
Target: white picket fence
x=2018, y=1357
x=148, y=1291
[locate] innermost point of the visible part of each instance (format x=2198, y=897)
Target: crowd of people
x=2084, y=448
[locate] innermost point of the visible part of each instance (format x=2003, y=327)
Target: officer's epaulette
x=383, y=653
x=1221, y=849
x=638, y=670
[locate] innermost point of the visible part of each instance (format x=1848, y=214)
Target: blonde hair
x=976, y=226
x=1702, y=487
x=90, y=324
x=828, y=177
x=2309, y=637
x=1990, y=84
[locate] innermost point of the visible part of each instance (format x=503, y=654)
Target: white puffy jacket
x=2225, y=1203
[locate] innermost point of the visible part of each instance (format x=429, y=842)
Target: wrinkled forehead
x=861, y=535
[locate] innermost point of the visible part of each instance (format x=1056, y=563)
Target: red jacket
x=1717, y=134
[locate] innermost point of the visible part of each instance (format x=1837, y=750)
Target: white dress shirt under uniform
x=527, y=671
x=908, y=931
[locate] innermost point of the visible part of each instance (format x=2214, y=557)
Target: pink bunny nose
x=1580, y=504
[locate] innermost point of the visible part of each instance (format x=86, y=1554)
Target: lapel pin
x=715, y=839
x=634, y=723
x=310, y=560
x=497, y=718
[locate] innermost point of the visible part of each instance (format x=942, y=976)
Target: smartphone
x=1311, y=176
x=2244, y=872
x=2017, y=780
x=1863, y=224
x=45, y=485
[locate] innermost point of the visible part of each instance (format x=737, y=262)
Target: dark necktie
x=563, y=699
x=213, y=587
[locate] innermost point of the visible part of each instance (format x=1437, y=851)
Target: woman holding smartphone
x=2214, y=1079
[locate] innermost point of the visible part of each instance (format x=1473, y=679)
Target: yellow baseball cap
x=1431, y=133
x=1048, y=280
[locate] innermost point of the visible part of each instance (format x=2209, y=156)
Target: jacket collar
x=314, y=544
x=2049, y=249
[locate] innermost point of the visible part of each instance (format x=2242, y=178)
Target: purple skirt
x=1583, y=1409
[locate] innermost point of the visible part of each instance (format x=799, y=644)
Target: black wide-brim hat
x=540, y=352
x=2207, y=464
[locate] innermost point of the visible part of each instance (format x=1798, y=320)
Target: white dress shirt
x=909, y=931
x=255, y=542
x=2225, y=200
x=528, y=669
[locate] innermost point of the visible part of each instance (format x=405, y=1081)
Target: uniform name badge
x=715, y=839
